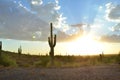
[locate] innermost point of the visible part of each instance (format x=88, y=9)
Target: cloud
x=115, y=28
x=78, y=25
x=29, y=20
x=17, y=21
x=64, y=37
x=113, y=12
x=37, y=2
x=85, y=28
x=113, y=15
x=111, y=38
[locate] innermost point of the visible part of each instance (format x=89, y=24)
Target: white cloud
x=37, y=2
x=57, y=7
x=100, y=8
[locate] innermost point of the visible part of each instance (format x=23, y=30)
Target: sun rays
x=85, y=45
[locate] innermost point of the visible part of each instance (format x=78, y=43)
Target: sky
x=83, y=27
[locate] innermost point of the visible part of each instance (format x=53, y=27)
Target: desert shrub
x=56, y=64
x=94, y=60
x=65, y=59
x=6, y=61
x=43, y=61
x=109, y=59
x=118, y=58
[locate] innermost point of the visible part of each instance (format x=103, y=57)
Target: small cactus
x=0, y=48
x=101, y=56
x=52, y=43
x=118, y=58
x=19, y=50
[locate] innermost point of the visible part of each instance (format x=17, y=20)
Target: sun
x=85, y=45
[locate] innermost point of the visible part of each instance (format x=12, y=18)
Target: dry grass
x=65, y=68
x=62, y=61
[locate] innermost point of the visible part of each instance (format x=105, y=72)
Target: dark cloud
x=29, y=20
x=84, y=28
x=78, y=25
x=113, y=12
x=111, y=38
x=69, y=37
x=113, y=15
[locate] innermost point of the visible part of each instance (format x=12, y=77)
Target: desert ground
x=111, y=72
x=29, y=67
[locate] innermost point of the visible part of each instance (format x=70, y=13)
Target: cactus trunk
x=19, y=51
x=0, y=48
x=52, y=43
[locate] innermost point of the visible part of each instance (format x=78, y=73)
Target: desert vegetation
x=34, y=67
x=12, y=59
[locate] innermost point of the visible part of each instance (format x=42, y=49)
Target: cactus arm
x=54, y=41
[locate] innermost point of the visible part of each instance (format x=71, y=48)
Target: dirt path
x=83, y=73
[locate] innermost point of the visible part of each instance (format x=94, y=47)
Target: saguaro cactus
x=101, y=56
x=0, y=47
x=52, y=43
x=19, y=51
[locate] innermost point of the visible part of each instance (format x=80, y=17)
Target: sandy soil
x=83, y=73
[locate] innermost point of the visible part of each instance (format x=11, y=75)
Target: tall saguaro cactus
x=0, y=48
x=52, y=43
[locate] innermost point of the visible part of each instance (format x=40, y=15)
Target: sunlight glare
x=85, y=45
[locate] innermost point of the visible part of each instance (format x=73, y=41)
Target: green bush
x=6, y=61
